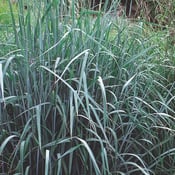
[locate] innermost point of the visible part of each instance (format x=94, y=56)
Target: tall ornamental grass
x=84, y=93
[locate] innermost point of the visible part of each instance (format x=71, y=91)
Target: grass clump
x=84, y=95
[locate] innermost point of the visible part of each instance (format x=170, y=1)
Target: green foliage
x=162, y=12
x=5, y=15
x=85, y=95
x=159, y=12
x=6, y=27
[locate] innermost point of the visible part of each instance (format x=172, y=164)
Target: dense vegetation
x=85, y=92
x=160, y=12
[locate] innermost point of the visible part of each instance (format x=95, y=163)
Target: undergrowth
x=85, y=94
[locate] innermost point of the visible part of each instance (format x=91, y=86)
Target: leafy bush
x=160, y=12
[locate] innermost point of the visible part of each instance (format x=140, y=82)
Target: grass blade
x=97, y=170
x=4, y=143
x=47, y=160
